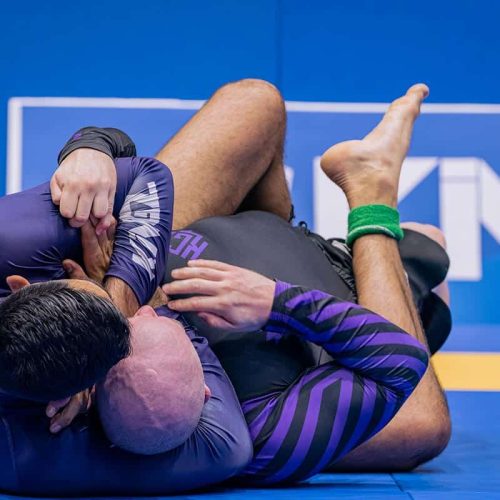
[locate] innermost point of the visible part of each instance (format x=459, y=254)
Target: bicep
x=327, y=412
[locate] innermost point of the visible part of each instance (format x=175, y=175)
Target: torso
x=258, y=363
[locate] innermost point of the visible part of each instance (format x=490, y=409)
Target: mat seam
x=401, y=488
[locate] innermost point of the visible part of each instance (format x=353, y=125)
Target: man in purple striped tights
x=317, y=375
x=307, y=411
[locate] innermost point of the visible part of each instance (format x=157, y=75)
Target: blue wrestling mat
x=469, y=468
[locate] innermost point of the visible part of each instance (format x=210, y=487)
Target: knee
x=262, y=95
x=432, y=232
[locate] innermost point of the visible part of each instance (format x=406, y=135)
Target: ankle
x=378, y=191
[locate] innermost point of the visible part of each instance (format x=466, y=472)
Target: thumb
x=55, y=190
x=54, y=406
x=215, y=321
x=74, y=270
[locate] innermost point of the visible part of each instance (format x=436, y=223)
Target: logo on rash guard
x=187, y=244
x=141, y=211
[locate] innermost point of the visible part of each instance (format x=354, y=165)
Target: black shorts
x=271, y=246
x=426, y=264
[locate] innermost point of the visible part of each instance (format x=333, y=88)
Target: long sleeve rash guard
x=332, y=408
x=35, y=239
x=81, y=460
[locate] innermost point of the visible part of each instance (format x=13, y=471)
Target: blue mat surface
x=469, y=468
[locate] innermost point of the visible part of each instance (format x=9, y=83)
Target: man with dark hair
x=77, y=333
x=240, y=164
x=143, y=199
x=266, y=369
x=45, y=363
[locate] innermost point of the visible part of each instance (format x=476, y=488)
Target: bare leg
x=221, y=154
x=368, y=172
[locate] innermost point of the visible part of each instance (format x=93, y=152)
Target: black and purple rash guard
x=35, y=239
x=332, y=408
x=303, y=414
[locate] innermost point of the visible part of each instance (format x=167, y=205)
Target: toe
x=419, y=91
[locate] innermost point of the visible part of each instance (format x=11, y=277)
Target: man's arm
x=330, y=409
x=145, y=201
x=85, y=182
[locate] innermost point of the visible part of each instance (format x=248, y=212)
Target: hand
x=227, y=297
x=64, y=411
x=85, y=184
x=97, y=250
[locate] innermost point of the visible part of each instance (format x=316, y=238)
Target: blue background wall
x=318, y=50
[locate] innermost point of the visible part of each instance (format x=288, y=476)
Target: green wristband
x=373, y=219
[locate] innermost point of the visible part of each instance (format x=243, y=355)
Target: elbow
x=238, y=455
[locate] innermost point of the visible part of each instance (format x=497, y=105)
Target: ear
x=208, y=393
x=16, y=282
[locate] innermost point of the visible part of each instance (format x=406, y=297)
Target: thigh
x=224, y=150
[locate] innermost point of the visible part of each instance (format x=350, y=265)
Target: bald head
x=151, y=402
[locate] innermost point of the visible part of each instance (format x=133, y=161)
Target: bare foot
x=368, y=170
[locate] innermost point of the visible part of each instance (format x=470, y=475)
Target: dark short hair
x=56, y=341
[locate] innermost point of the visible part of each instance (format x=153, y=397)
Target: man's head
x=151, y=402
x=58, y=338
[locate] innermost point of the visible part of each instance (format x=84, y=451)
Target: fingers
x=90, y=240
x=198, y=304
x=68, y=203
x=213, y=264
x=107, y=223
x=83, y=209
x=100, y=207
x=54, y=406
x=192, y=286
x=215, y=321
x=111, y=228
x=76, y=405
x=197, y=272
x=74, y=270
x=111, y=195
x=55, y=190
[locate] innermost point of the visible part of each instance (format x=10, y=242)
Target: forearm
x=122, y=295
x=357, y=338
x=142, y=236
